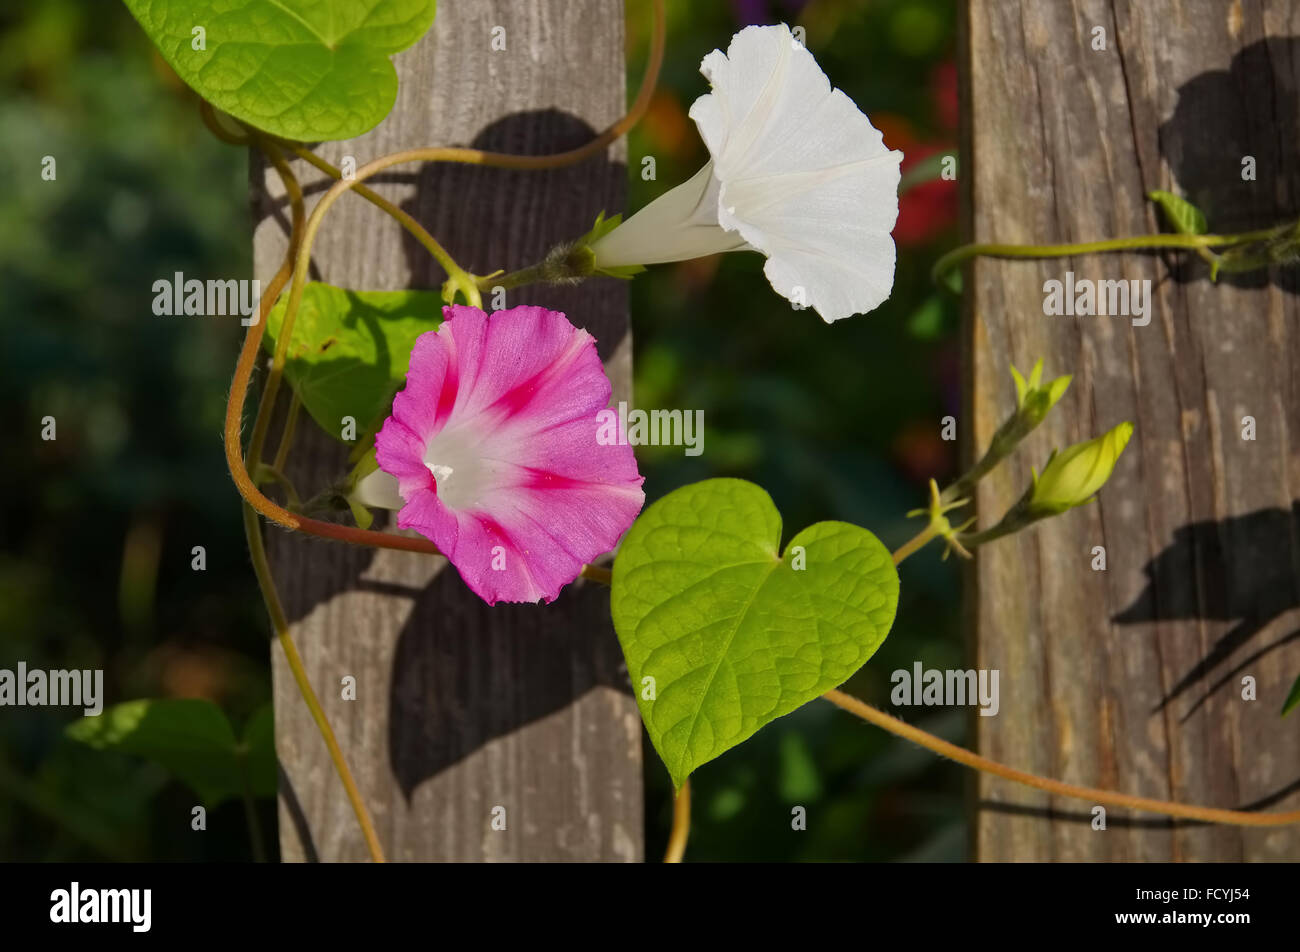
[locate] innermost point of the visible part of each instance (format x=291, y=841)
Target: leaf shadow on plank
x=1215, y=124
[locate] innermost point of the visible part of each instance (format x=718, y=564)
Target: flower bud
x=1073, y=476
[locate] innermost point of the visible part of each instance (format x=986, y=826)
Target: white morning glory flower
x=796, y=172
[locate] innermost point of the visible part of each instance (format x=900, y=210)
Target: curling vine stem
x=1058, y=787
x=250, y=804
x=514, y=279
x=1132, y=243
x=915, y=543
x=262, y=568
x=280, y=624
x=286, y=434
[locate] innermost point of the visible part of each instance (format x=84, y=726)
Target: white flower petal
x=805, y=178
x=797, y=172
x=826, y=233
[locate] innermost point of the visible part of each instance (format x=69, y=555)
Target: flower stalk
x=1033, y=401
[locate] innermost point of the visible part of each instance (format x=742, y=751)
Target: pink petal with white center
x=493, y=446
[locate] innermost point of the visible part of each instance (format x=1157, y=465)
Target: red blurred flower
x=924, y=211
x=943, y=94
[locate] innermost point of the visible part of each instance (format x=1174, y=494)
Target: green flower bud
x=1034, y=401
x=1073, y=476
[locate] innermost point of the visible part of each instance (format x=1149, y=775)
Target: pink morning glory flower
x=492, y=454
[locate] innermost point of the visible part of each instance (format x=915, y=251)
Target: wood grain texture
x=1131, y=678
x=461, y=708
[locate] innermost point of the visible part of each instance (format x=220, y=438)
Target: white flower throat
x=458, y=465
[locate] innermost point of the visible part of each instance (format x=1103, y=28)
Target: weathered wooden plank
x=1131, y=678
x=461, y=708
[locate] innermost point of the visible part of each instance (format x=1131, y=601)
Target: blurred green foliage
x=194, y=740
x=96, y=527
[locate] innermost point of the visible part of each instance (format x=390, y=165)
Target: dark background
x=96, y=527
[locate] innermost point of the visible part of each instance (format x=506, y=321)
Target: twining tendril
x=266, y=582
x=1059, y=787
x=1132, y=243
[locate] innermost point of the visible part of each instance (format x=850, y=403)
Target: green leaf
x=1183, y=217
x=189, y=737
x=926, y=322
x=351, y=350
x=1292, y=699
x=303, y=69
x=259, y=752
x=733, y=633
x=952, y=279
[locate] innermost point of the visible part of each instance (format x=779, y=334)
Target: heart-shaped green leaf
x=722, y=633
x=258, y=749
x=303, y=69
x=351, y=349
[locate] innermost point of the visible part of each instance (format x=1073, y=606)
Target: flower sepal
x=583, y=249
x=368, y=486
x=1033, y=400
x=940, y=526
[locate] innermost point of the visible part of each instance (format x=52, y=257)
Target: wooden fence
x=1131, y=678
x=461, y=709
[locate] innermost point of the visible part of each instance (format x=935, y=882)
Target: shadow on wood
x=1063, y=140
x=1205, y=158
x=571, y=198
x=446, y=702
x=1241, y=570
